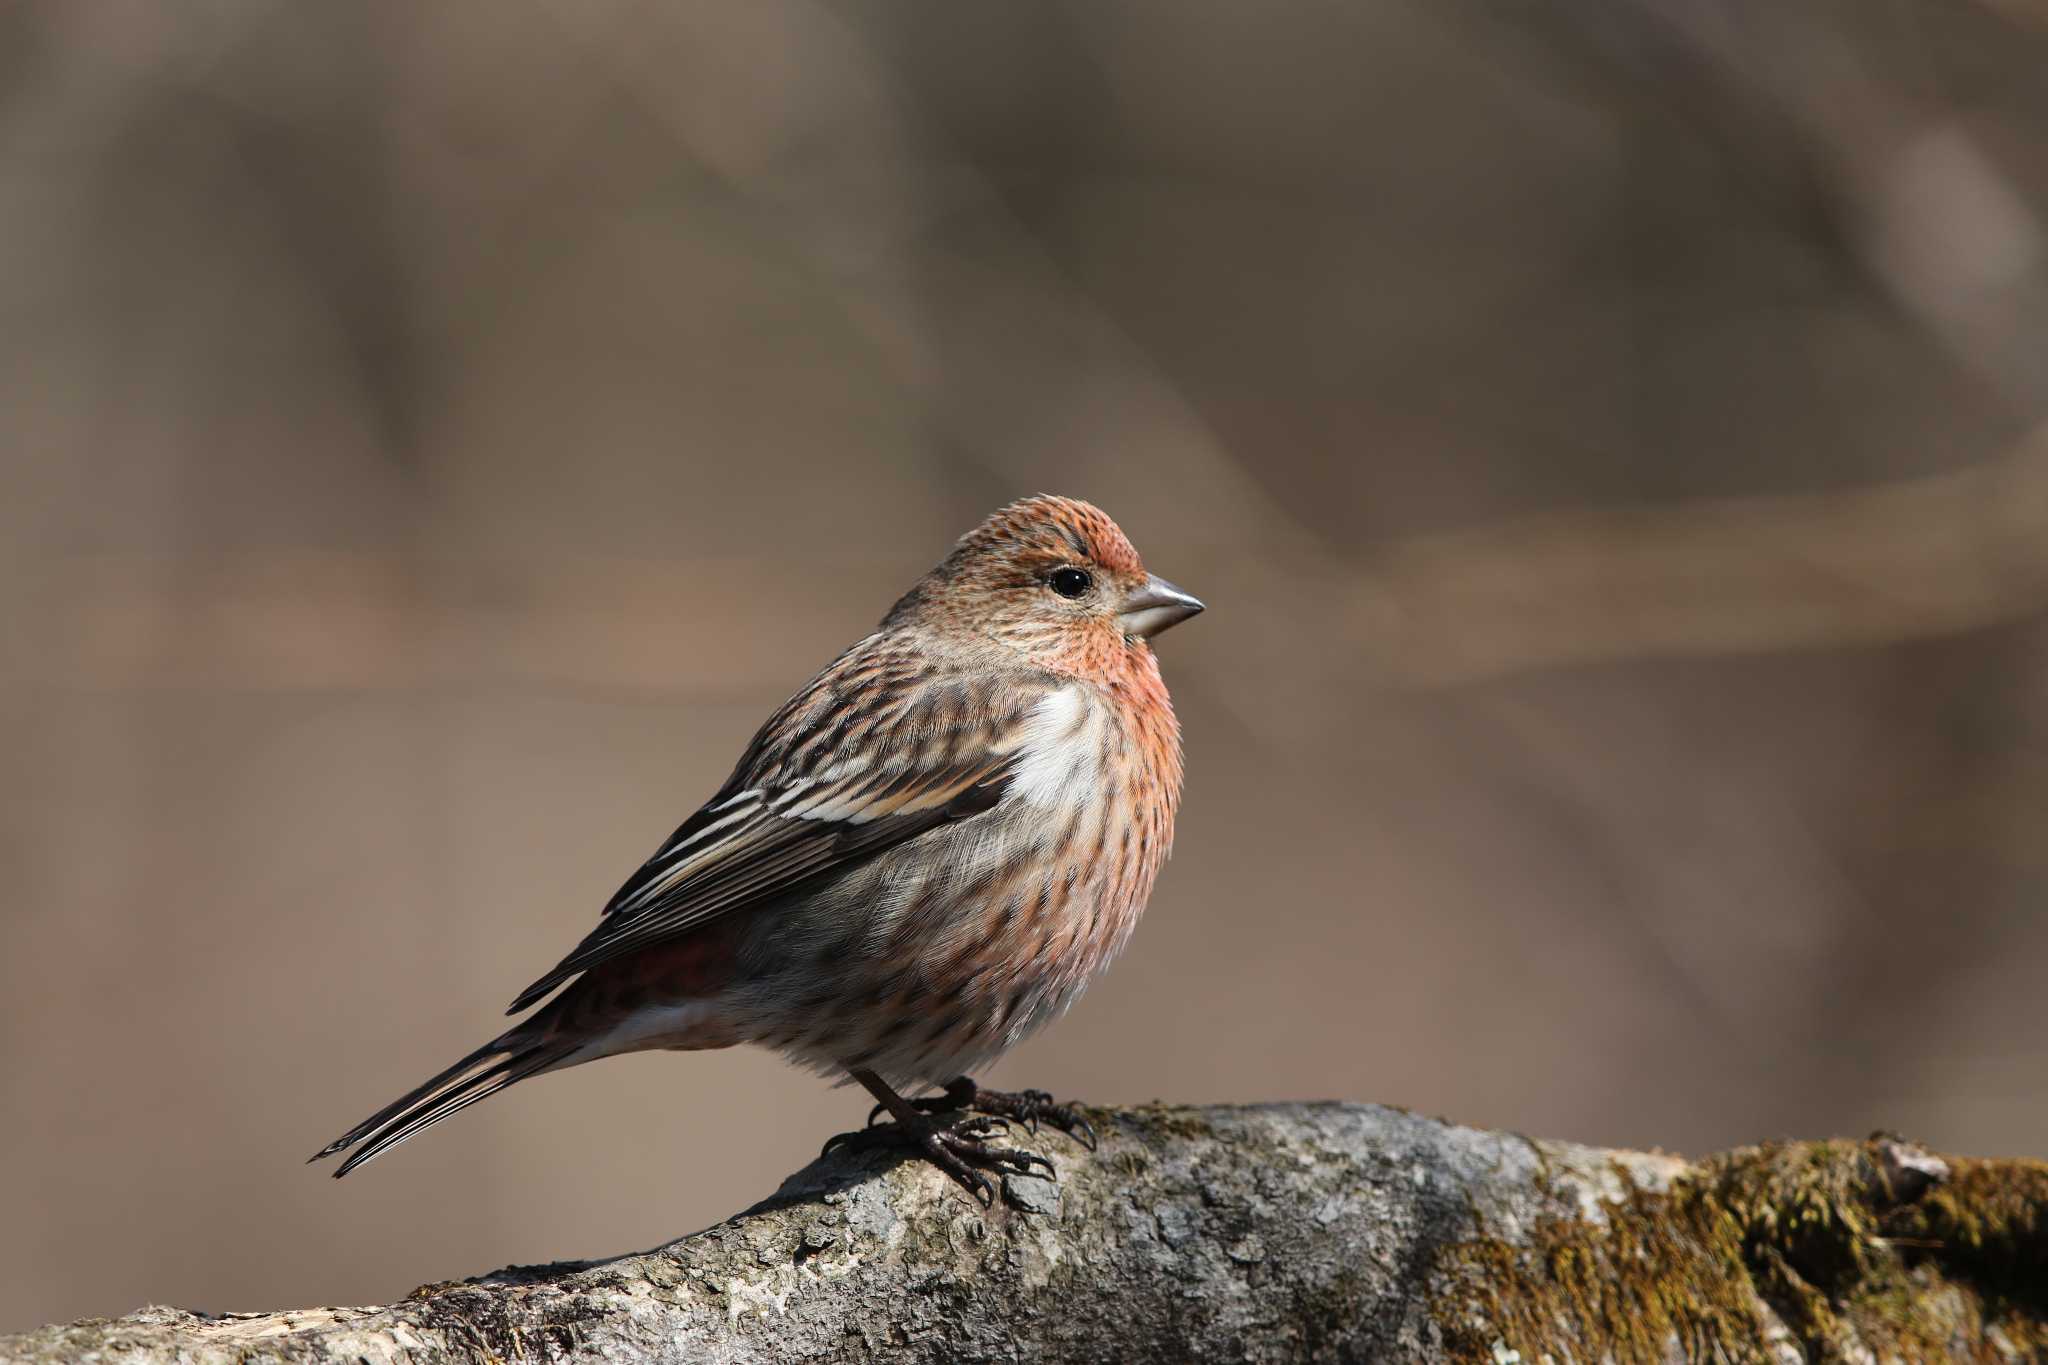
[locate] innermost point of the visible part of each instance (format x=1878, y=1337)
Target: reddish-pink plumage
x=923, y=855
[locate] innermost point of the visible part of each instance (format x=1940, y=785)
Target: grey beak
x=1154, y=607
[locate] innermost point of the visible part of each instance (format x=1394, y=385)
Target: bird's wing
x=865, y=758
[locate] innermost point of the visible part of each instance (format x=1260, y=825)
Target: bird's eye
x=1070, y=582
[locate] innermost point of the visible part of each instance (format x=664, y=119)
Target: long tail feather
x=495, y=1048
x=501, y=1062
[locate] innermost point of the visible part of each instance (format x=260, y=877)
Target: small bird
x=923, y=856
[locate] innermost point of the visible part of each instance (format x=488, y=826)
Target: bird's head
x=1054, y=579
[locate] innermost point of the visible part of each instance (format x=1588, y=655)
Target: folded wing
x=866, y=758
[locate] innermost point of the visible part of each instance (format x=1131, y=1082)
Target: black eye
x=1070, y=582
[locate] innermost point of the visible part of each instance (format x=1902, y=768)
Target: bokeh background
x=1609, y=435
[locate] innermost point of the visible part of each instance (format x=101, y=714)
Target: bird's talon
x=1031, y=1108
x=1026, y=1160
x=958, y=1145
x=859, y=1137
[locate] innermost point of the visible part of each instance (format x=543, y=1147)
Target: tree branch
x=1272, y=1233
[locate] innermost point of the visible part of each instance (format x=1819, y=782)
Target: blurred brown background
x=1607, y=434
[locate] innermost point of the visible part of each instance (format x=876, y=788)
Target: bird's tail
x=505, y=1060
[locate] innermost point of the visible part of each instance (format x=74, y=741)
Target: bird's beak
x=1154, y=607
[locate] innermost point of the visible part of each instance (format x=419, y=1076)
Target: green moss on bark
x=1850, y=1253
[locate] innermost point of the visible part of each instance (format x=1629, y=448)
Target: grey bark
x=1268, y=1233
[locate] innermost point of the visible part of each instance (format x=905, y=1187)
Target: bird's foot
x=1033, y=1107
x=957, y=1144
x=1028, y=1107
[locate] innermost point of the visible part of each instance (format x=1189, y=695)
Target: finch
x=923, y=856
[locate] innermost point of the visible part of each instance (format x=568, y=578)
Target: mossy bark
x=1271, y=1233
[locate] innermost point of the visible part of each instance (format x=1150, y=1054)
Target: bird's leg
x=958, y=1094
x=1028, y=1107
x=951, y=1139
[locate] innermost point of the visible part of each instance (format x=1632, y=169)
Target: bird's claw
x=961, y=1154
x=958, y=1147
x=847, y=1140
x=1028, y=1107
x=1033, y=1107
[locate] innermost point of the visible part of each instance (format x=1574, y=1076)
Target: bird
x=920, y=859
